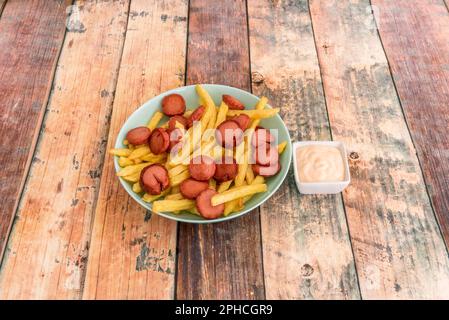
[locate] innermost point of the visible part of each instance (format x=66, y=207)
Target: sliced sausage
x=266, y=154
x=159, y=141
x=191, y=188
x=180, y=119
x=229, y=134
x=205, y=207
x=154, y=179
x=176, y=135
x=173, y=104
x=195, y=116
x=243, y=121
x=226, y=170
x=266, y=171
x=232, y=102
x=202, y=168
x=138, y=135
x=261, y=136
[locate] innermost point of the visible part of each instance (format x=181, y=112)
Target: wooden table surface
x=71, y=73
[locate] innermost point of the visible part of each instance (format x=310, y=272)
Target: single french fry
x=249, y=175
x=150, y=198
x=173, y=205
x=209, y=105
x=236, y=193
x=257, y=180
x=124, y=162
x=254, y=114
x=176, y=180
x=120, y=152
x=224, y=186
x=139, y=152
x=242, y=165
x=134, y=169
x=132, y=178
x=137, y=188
x=174, y=196
x=154, y=158
x=157, y=116
x=221, y=115
x=180, y=168
x=137, y=161
x=281, y=146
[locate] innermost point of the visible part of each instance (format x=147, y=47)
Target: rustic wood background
x=72, y=72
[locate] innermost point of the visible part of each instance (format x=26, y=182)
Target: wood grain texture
x=48, y=247
x=414, y=35
x=2, y=5
x=306, y=248
x=219, y=261
x=31, y=34
x=132, y=256
x=397, y=244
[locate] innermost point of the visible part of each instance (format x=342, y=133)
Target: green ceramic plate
x=142, y=115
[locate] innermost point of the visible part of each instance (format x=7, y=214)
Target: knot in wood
x=257, y=77
x=306, y=270
x=354, y=156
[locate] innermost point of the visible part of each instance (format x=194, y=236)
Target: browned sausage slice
x=202, y=168
x=243, y=121
x=191, y=188
x=175, y=137
x=266, y=171
x=180, y=119
x=226, y=170
x=159, y=141
x=229, y=134
x=205, y=207
x=195, y=116
x=173, y=104
x=261, y=136
x=138, y=135
x=266, y=155
x=232, y=102
x=154, y=179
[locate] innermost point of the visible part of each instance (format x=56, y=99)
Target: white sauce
x=317, y=163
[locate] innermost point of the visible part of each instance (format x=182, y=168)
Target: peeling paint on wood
x=306, y=248
x=131, y=254
x=397, y=245
x=41, y=235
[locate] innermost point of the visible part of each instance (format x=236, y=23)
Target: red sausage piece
x=243, y=121
x=204, y=205
x=266, y=155
x=154, y=179
x=232, y=102
x=173, y=104
x=175, y=137
x=191, y=188
x=195, y=116
x=159, y=141
x=229, y=134
x=138, y=135
x=266, y=171
x=226, y=170
x=172, y=122
x=261, y=136
x=202, y=168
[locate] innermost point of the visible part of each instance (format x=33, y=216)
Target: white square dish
x=321, y=187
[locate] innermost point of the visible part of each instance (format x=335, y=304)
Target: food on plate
x=173, y=104
x=208, y=161
x=318, y=163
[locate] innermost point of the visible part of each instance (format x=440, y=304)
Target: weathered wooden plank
x=132, y=257
x=415, y=34
x=2, y=5
x=397, y=245
x=306, y=248
x=48, y=248
x=31, y=35
x=219, y=261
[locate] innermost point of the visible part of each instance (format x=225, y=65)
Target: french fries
x=233, y=193
x=255, y=114
x=236, y=193
x=173, y=205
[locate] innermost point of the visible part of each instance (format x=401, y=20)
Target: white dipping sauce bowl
x=322, y=187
